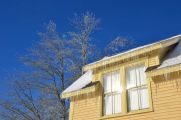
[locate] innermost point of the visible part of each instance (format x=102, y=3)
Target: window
x=112, y=93
x=131, y=90
x=137, y=88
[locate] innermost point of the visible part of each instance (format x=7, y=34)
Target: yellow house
x=142, y=83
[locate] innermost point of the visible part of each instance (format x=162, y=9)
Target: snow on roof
x=80, y=83
x=172, y=58
x=131, y=50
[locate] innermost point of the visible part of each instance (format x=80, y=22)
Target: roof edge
x=89, y=89
x=133, y=52
x=165, y=70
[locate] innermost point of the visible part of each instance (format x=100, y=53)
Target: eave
x=86, y=90
x=163, y=71
x=158, y=46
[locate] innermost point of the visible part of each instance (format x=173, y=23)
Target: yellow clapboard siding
x=153, y=60
x=166, y=99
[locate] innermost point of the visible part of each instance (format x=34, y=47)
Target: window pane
x=133, y=99
x=107, y=105
x=142, y=76
x=116, y=82
x=131, y=78
x=144, y=99
x=107, y=83
x=117, y=103
x=138, y=82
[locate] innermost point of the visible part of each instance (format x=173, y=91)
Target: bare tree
x=117, y=45
x=52, y=63
x=23, y=104
x=31, y=98
x=51, y=57
x=85, y=25
x=48, y=61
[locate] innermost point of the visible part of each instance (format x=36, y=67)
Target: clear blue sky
x=142, y=20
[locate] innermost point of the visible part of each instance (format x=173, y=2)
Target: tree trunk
x=84, y=57
x=63, y=87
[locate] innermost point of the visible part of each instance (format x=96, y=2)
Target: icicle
x=87, y=95
x=165, y=76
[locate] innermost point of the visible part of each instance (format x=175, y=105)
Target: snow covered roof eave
x=170, y=64
x=80, y=86
x=165, y=70
x=133, y=52
x=85, y=90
